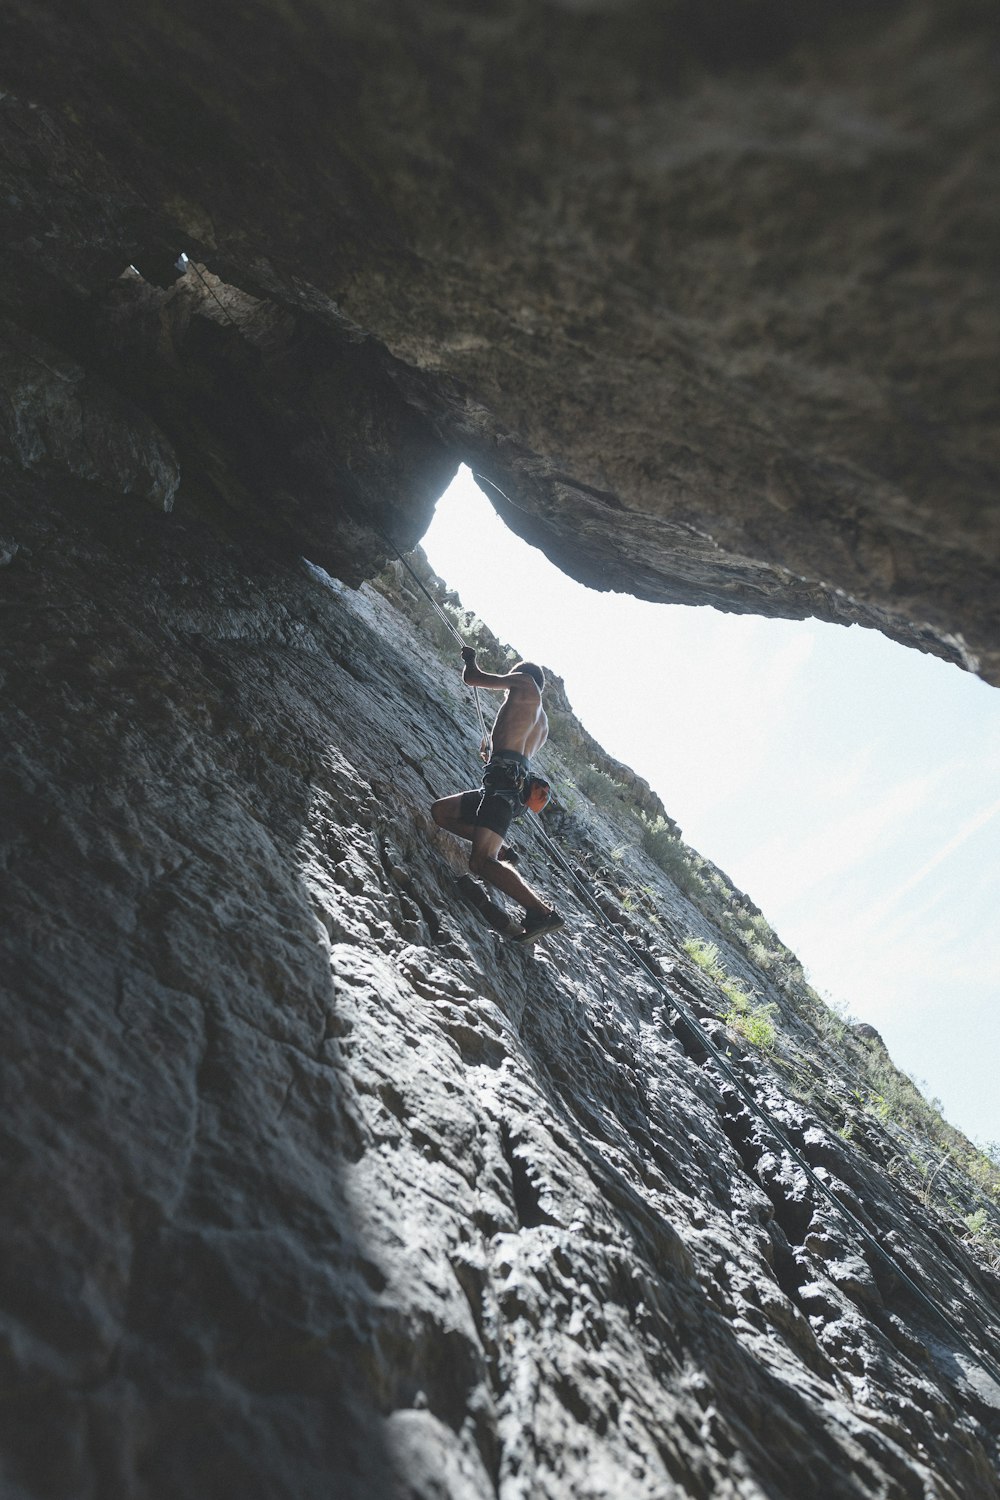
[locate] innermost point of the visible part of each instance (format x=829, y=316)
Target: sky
x=848, y=785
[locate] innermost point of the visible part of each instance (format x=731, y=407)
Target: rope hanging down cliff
x=983, y=1361
x=447, y=620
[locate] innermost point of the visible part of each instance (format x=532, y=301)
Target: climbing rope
x=447, y=620
x=184, y=263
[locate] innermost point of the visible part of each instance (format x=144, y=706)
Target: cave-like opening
x=847, y=784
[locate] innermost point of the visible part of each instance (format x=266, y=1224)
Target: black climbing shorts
x=499, y=801
x=492, y=810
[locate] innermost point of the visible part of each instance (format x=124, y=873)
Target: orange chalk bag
x=536, y=793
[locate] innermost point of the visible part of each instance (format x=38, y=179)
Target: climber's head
x=535, y=673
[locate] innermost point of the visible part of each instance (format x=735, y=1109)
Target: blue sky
x=849, y=786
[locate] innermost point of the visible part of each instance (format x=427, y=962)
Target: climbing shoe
x=540, y=923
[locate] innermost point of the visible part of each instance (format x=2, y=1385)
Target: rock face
x=708, y=294
x=314, y=1186
x=311, y=1185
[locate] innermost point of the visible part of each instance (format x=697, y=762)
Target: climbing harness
x=506, y=772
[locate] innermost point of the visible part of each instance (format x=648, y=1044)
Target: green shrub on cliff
x=664, y=846
x=754, y=1023
x=706, y=956
x=599, y=786
x=743, y=1013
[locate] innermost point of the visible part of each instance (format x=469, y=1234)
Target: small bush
x=743, y=1015
x=666, y=849
x=830, y=1019
x=566, y=793
x=706, y=956
x=760, y=955
x=754, y=1024
x=982, y=1235
x=736, y=993
x=749, y=1020
x=598, y=786
x=658, y=839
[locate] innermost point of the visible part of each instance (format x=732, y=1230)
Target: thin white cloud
x=979, y=820
x=840, y=845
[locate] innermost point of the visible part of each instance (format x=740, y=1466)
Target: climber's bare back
x=521, y=724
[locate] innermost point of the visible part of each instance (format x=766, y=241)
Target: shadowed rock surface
x=710, y=294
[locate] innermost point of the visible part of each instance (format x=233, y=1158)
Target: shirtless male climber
x=483, y=816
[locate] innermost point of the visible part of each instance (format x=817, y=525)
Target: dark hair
x=530, y=670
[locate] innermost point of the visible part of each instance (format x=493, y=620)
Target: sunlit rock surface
x=314, y=1186
x=709, y=293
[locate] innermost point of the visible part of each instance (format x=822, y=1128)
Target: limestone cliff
x=314, y=1187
